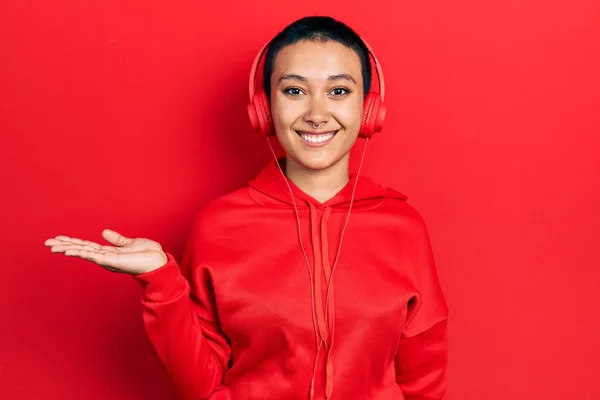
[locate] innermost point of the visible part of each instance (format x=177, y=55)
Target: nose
x=317, y=113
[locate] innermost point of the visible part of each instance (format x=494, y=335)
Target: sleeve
x=422, y=357
x=181, y=323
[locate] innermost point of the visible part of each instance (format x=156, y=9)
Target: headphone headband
x=257, y=59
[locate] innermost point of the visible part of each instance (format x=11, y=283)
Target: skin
x=296, y=102
x=302, y=94
x=127, y=255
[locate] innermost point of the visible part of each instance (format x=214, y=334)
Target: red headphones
x=373, y=111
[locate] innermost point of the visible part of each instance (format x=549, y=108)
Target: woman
x=239, y=317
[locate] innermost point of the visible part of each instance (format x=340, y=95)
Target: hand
x=130, y=256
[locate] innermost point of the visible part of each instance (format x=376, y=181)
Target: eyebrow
x=347, y=77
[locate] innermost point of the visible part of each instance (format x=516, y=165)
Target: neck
x=322, y=184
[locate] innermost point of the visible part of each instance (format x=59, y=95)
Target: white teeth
x=317, y=138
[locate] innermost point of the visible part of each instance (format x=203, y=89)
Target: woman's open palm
x=128, y=255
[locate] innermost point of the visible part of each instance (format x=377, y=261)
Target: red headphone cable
x=312, y=289
x=329, y=388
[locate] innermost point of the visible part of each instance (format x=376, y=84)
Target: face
x=317, y=84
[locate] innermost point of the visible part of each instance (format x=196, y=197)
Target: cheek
x=349, y=114
x=284, y=113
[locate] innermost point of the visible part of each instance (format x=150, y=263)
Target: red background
x=129, y=115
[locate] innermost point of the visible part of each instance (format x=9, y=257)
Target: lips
x=316, y=139
x=315, y=133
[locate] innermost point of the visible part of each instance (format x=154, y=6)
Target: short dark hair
x=316, y=28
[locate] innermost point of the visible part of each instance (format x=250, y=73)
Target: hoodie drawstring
x=320, y=254
x=330, y=307
x=327, y=321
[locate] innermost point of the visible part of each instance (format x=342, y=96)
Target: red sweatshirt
x=243, y=316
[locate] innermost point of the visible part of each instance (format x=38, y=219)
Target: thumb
x=115, y=238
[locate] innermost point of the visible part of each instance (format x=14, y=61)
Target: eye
x=339, y=92
x=294, y=91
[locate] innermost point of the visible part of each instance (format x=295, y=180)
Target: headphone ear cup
x=260, y=115
x=374, y=112
x=253, y=114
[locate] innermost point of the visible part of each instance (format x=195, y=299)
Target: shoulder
x=231, y=201
x=401, y=214
x=222, y=212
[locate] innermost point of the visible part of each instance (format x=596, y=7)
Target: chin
x=317, y=158
x=316, y=163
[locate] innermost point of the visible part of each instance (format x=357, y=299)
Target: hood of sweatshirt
x=272, y=188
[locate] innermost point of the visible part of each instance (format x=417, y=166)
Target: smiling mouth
x=314, y=138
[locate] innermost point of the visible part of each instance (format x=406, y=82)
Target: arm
x=181, y=324
x=421, y=364
x=422, y=357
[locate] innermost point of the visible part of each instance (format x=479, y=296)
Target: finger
x=61, y=247
x=67, y=239
x=89, y=243
x=108, y=261
x=115, y=238
x=86, y=254
x=51, y=242
x=57, y=240
x=61, y=244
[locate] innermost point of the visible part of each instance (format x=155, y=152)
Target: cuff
x=164, y=283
